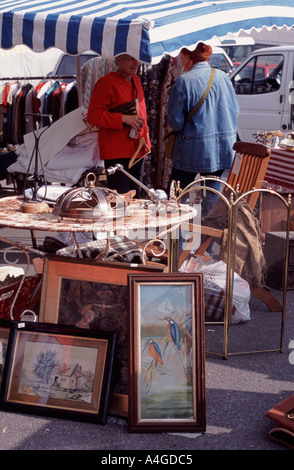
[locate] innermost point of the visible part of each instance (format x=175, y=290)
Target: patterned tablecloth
x=280, y=170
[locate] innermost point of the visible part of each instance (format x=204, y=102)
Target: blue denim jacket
x=205, y=143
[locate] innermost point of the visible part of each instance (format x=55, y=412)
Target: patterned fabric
x=164, y=166
x=117, y=244
x=91, y=71
x=152, y=79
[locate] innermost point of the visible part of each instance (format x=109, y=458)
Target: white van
x=264, y=87
x=236, y=48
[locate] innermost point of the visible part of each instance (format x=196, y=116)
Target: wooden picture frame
x=167, y=353
x=59, y=372
x=76, y=290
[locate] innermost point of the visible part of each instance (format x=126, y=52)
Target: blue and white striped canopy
x=145, y=29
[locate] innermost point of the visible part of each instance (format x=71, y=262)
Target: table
x=280, y=170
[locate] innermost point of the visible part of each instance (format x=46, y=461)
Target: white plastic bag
x=214, y=274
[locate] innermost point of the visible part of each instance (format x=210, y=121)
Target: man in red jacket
x=118, y=108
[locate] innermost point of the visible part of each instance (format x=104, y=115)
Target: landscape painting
x=58, y=370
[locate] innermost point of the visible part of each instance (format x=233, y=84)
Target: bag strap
x=202, y=99
x=199, y=103
x=134, y=86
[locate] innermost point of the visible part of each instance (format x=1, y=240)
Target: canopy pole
x=78, y=78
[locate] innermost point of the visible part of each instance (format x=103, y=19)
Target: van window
x=68, y=67
x=238, y=53
x=262, y=74
x=220, y=61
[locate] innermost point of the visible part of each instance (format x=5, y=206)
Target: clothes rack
x=18, y=95
x=48, y=77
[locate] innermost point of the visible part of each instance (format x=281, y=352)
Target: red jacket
x=114, y=142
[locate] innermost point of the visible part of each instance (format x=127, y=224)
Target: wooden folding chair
x=247, y=173
x=248, y=169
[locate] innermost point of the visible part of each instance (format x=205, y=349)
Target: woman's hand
x=134, y=121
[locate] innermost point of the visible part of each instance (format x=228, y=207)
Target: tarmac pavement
x=239, y=391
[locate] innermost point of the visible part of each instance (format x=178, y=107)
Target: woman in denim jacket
x=205, y=144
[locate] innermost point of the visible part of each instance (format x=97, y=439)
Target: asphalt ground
x=239, y=391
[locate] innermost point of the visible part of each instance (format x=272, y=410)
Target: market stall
x=146, y=33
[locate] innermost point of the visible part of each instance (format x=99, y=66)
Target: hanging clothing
x=91, y=72
x=152, y=78
x=17, y=100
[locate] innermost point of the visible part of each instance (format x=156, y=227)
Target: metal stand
x=34, y=204
x=233, y=205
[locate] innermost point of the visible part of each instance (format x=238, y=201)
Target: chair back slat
x=249, y=168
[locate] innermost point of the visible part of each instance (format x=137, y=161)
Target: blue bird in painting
x=173, y=332
x=153, y=350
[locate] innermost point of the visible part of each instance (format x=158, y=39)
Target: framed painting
x=58, y=371
x=167, y=353
x=92, y=295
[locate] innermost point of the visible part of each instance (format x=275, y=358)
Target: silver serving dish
x=90, y=203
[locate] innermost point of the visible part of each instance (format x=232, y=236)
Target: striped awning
x=21, y=49
x=145, y=29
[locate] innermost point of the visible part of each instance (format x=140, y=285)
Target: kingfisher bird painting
x=154, y=351
x=166, y=350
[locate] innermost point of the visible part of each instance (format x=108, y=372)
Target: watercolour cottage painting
x=59, y=371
